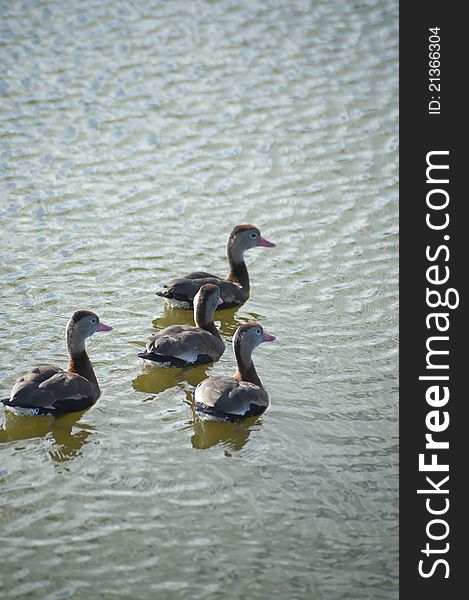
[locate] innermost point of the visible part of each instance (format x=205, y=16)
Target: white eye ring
x=93, y=321
x=258, y=331
x=253, y=235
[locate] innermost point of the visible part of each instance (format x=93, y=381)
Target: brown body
x=242, y=395
x=48, y=389
x=183, y=345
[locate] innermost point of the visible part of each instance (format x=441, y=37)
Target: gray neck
x=246, y=370
x=235, y=253
x=238, y=271
x=75, y=343
x=203, y=318
x=79, y=361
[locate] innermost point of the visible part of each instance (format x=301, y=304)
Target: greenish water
x=135, y=135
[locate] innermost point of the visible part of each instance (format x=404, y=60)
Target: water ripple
x=134, y=136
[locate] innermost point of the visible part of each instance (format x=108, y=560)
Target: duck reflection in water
x=67, y=445
x=156, y=380
x=230, y=435
x=226, y=319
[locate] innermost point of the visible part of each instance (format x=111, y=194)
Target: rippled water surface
x=135, y=135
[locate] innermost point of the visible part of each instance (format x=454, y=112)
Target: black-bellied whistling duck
x=234, y=290
x=183, y=345
x=49, y=390
x=232, y=398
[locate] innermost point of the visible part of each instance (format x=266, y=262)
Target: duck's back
x=51, y=390
x=185, y=343
x=226, y=397
x=180, y=292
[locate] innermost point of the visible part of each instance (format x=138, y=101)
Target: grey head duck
x=240, y=396
x=51, y=390
x=185, y=345
x=235, y=288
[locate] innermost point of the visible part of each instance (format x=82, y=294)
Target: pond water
x=135, y=135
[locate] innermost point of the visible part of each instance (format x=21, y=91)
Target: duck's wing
x=215, y=391
x=187, y=343
x=200, y=275
x=185, y=288
x=27, y=392
x=53, y=389
x=225, y=396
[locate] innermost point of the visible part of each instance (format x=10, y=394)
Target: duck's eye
x=258, y=331
x=253, y=235
x=93, y=321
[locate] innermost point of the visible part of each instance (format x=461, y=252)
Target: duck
x=240, y=396
x=186, y=345
x=51, y=390
x=234, y=290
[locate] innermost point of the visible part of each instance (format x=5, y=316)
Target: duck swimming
x=185, y=345
x=49, y=390
x=240, y=396
x=234, y=290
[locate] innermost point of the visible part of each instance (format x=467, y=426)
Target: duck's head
x=244, y=237
x=83, y=324
x=248, y=336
